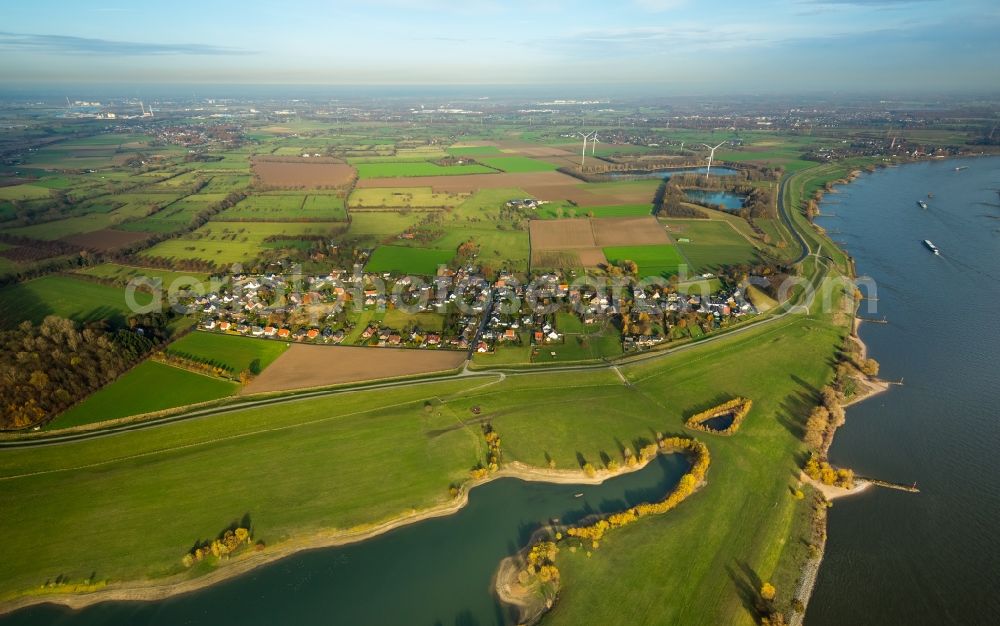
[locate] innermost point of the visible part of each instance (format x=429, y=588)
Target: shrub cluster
x=685, y=487
x=819, y=469
x=540, y=563
x=493, y=454
x=225, y=545
x=739, y=407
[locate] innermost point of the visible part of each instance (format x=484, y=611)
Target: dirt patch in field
x=561, y=234
x=296, y=172
x=575, y=257
x=555, y=258
x=469, y=183
x=598, y=232
x=305, y=366
x=628, y=231
x=592, y=257
x=105, y=239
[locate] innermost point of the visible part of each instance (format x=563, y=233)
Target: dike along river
x=435, y=572
x=896, y=558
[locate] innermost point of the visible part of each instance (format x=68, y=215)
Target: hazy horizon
x=685, y=47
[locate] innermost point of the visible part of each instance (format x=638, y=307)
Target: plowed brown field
x=304, y=366
x=299, y=173
x=105, y=239
x=628, y=231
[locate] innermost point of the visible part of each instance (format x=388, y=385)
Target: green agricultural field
x=426, y=168
x=173, y=217
x=24, y=192
x=709, y=244
x=392, y=158
x=325, y=207
x=58, y=229
x=104, y=212
x=518, y=164
x=223, y=243
x=75, y=298
x=505, y=354
x=404, y=197
x=394, y=318
x=700, y=286
x=231, y=352
x=130, y=394
x=379, y=225
x=225, y=184
x=474, y=150
x=287, y=207
x=7, y=266
x=501, y=243
x=660, y=260
x=557, y=211
x=405, y=260
x=582, y=347
x=126, y=273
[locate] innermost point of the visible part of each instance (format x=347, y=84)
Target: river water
x=435, y=572
x=896, y=558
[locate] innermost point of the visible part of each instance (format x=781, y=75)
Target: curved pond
x=719, y=170
x=720, y=422
x=726, y=199
x=438, y=571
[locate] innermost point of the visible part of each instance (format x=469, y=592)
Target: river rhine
x=931, y=558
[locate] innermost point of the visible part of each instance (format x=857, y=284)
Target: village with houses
x=461, y=310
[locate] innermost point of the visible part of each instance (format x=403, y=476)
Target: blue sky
x=684, y=45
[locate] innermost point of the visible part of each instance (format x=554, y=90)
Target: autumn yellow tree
x=768, y=592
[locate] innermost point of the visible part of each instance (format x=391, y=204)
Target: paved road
x=787, y=219
x=57, y=439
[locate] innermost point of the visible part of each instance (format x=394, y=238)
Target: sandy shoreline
x=832, y=492
x=150, y=590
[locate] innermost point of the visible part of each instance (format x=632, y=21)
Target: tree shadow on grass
x=747, y=584
x=796, y=406
x=709, y=404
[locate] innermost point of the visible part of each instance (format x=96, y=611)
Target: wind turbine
x=583, y=153
x=593, y=144
x=711, y=156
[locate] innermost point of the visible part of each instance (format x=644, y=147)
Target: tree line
x=47, y=368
